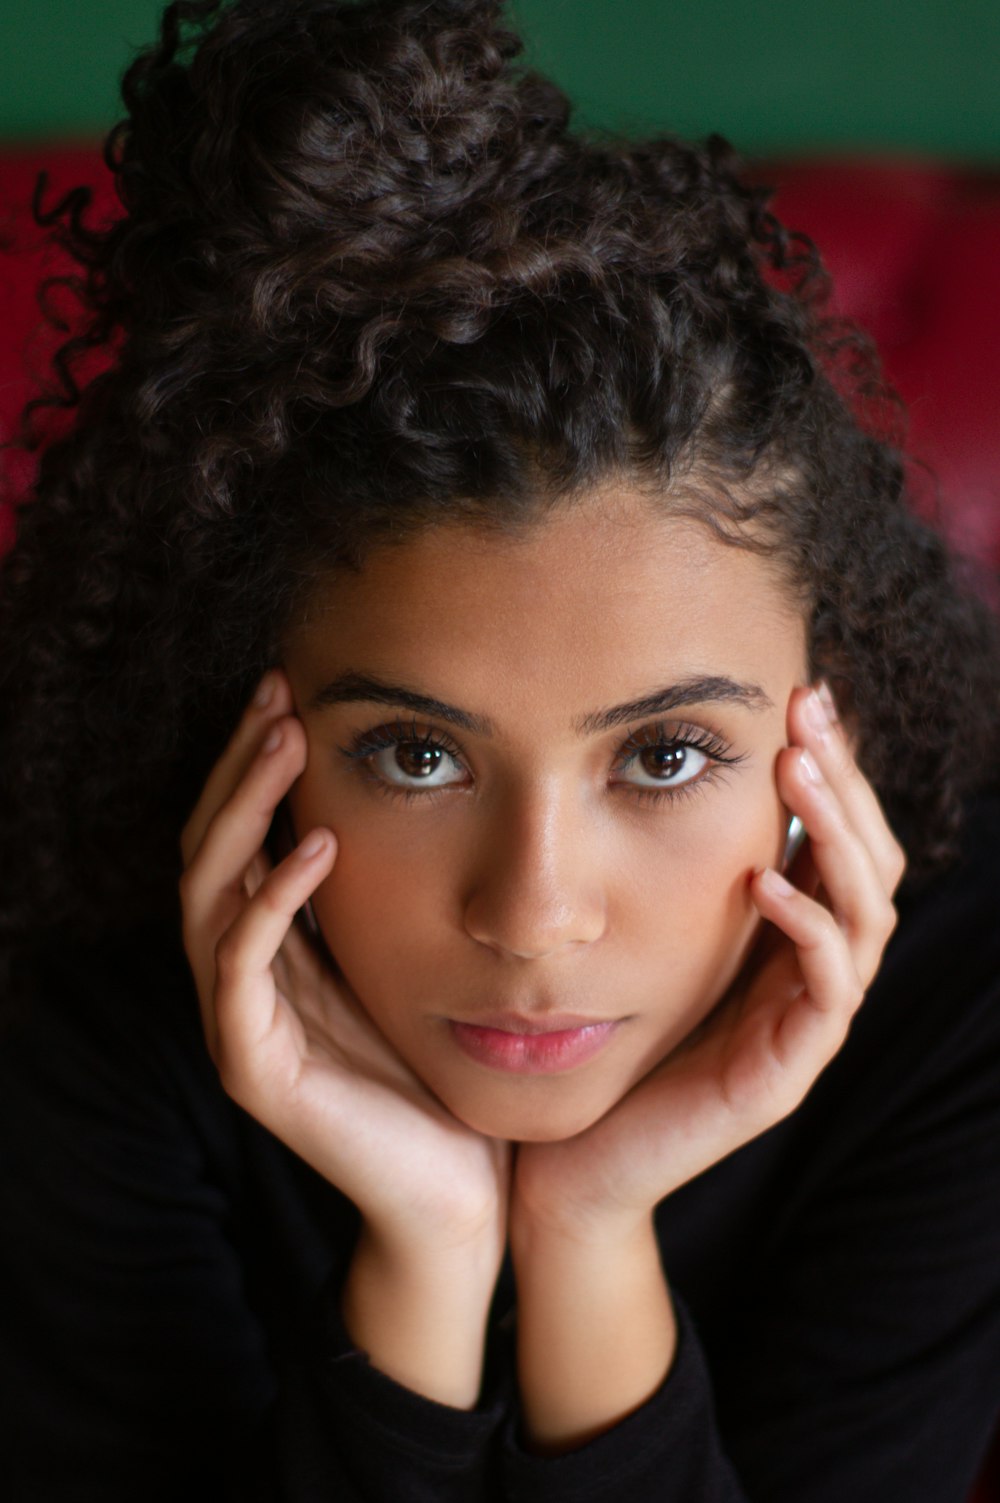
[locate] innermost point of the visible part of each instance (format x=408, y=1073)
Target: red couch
x=915, y=254
x=914, y=250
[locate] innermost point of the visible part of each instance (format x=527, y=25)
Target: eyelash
x=720, y=754
x=367, y=744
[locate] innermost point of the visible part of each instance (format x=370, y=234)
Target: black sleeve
x=668, y=1451
x=132, y=1362
x=392, y=1442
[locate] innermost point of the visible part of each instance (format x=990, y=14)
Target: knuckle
x=883, y=917
x=826, y=928
x=786, y=1093
x=268, y=894
x=227, y=954
x=268, y=897
x=897, y=862
x=854, y=996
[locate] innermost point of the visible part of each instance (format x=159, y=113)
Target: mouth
x=533, y=1045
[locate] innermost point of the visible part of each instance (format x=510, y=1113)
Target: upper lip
x=550, y=1022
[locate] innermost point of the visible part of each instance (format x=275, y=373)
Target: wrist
x=596, y=1327
x=462, y=1266
x=589, y=1253
x=419, y=1311
x=567, y=1229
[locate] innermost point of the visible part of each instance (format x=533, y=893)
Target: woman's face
x=549, y=764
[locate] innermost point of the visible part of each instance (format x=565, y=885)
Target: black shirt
x=170, y=1271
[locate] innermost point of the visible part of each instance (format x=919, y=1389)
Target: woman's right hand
x=298, y=1052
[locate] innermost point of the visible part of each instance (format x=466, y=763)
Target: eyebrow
x=357, y=688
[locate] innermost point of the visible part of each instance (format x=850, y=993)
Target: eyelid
x=678, y=733
x=393, y=733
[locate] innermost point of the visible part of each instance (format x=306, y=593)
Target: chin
x=549, y=1121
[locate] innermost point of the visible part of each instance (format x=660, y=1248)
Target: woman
x=473, y=552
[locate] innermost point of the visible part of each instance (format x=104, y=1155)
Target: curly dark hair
x=367, y=278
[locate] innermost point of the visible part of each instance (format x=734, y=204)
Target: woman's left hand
x=756, y=1055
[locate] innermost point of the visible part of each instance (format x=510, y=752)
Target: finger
x=271, y=701
x=804, y=877
x=218, y=883
x=214, y=886
x=831, y=989
x=820, y=730
x=245, y=993
x=813, y=724
x=847, y=872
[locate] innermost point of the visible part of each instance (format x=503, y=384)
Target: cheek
x=688, y=909
x=383, y=907
x=381, y=887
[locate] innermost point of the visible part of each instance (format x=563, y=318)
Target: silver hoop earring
x=793, y=841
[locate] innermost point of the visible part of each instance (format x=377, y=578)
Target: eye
x=407, y=759
x=672, y=762
x=408, y=764
x=667, y=759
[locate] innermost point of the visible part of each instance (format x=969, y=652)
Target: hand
x=758, y=1053
x=296, y=1049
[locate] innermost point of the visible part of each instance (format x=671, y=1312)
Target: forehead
x=604, y=596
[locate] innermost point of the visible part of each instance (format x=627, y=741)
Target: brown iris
x=417, y=760
x=663, y=761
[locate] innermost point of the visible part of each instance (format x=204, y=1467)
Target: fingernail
x=816, y=715
x=312, y=845
x=809, y=768
x=265, y=691
x=827, y=701
x=774, y=883
x=274, y=740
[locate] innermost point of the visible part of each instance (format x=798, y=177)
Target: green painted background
x=777, y=76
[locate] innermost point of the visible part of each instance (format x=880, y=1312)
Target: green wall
x=778, y=76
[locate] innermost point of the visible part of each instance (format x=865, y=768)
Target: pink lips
x=532, y=1048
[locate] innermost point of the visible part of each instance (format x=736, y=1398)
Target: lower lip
x=532, y=1053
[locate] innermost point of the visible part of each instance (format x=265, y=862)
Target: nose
x=534, y=892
